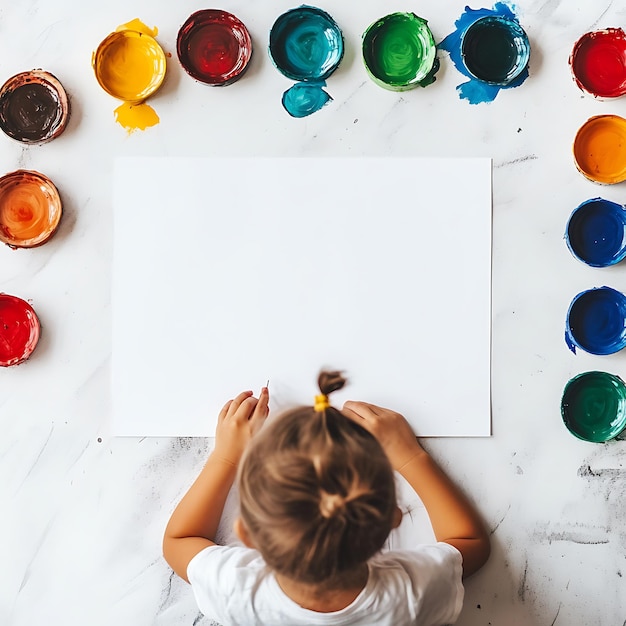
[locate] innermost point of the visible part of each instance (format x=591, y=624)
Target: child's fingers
x=236, y=402
x=224, y=411
x=362, y=409
x=262, y=409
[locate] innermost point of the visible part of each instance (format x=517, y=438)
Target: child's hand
x=390, y=428
x=238, y=422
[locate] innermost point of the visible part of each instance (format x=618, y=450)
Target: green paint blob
x=399, y=52
x=495, y=50
x=593, y=406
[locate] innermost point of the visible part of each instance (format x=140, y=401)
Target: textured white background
x=83, y=513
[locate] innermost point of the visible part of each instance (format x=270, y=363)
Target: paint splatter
x=600, y=149
x=593, y=406
x=30, y=209
x=306, y=45
x=596, y=232
x=19, y=330
x=214, y=47
x=597, y=63
x=493, y=57
x=130, y=65
x=305, y=98
x=399, y=52
x=34, y=107
x=596, y=321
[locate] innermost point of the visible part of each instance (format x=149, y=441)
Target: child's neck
x=329, y=596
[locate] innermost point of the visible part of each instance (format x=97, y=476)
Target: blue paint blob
x=596, y=232
x=596, y=321
x=306, y=44
x=491, y=49
x=304, y=99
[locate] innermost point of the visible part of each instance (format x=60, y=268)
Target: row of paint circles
x=305, y=45
x=214, y=47
x=593, y=404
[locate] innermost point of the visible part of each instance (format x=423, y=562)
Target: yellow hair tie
x=321, y=403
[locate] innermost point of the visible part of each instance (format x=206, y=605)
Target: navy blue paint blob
x=304, y=99
x=596, y=321
x=596, y=232
x=488, y=74
x=306, y=44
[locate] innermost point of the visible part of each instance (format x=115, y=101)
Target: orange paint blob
x=600, y=149
x=30, y=209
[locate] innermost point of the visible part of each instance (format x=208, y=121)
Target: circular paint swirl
x=30, y=209
x=399, y=51
x=495, y=49
x=596, y=232
x=600, y=149
x=593, y=406
x=19, y=330
x=129, y=65
x=33, y=107
x=596, y=321
x=306, y=44
x=214, y=47
x=598, y=63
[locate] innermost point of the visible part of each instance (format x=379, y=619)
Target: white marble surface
x=83, y=513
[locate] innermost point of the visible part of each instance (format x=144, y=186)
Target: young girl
x=317, y=502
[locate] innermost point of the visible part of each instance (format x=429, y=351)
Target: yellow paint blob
x=140, y=27
x=600, y=149
x=136, y=116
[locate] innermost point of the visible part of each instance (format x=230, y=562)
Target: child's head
x=317, y=492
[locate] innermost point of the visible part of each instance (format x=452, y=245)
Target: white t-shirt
x=419, y=587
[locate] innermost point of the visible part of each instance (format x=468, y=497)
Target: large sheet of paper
x=231, y=272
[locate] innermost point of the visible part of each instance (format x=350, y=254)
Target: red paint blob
x=214, y=47
x=598, y=63
x=19, y=330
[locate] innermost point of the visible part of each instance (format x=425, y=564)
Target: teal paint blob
x=399, y=52
x=596, y=321
x=491, y=49
x=593, y=406
x=306, y=44
x=303, y=99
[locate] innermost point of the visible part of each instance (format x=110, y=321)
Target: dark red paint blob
x=214, y=47
x=19, y=330
x=598, y=63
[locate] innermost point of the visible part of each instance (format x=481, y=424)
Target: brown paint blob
x=34, y=107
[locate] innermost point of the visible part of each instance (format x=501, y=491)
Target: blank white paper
x=231, y=272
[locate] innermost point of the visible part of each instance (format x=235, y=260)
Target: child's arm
x=454, y=519
x=194, y=523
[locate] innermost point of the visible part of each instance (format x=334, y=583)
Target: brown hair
x=317, y=492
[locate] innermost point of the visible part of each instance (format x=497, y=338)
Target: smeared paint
x=30, y=209
x=214, y=47
x=596, y=232
x=305, y=98
x=598, y=63
x=34, y=107
x=135, y=116
x=399, y=52
x=19, y=330
x=130, y=65
x=596, y=321
x=493, y=56
x=306, y=45
x=600, y=149
x=593, y=407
